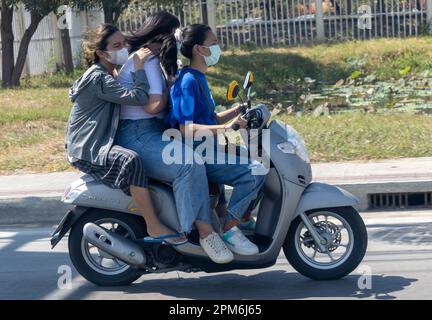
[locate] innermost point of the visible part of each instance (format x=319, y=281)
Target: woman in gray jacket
x=94, y=119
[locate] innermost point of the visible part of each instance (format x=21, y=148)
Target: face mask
x=119, y=57
x=215, y=53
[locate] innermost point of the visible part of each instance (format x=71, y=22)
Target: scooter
x=321, y=233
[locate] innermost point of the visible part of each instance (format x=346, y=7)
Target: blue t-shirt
x=187, y=101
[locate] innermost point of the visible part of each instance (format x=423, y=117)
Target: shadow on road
x=275, y=284
x=33, y=275
x=413, y=234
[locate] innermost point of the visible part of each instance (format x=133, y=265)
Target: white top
x=156, y=81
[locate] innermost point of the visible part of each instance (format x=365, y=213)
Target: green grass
x=365, y=136
x=33, y=118
x=276, y=68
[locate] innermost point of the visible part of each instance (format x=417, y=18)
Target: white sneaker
x=238, y=243
x=216, y=249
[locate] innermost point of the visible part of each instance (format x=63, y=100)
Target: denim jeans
x=190, y=184
x=238, y=174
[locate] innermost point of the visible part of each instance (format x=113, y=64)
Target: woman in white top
x=141, y=129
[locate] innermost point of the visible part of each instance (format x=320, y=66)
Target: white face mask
x=119, y=57
x=215, y=53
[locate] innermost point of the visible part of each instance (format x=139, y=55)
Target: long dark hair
x=158, y=27
x=97, y=40
x=192, y=35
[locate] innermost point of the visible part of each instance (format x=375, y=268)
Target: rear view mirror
x=249, y=79
x=233, y=91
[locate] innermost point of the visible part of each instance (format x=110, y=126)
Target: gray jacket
x=95, y=113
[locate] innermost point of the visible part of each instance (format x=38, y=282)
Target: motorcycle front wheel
x=345, y=237
x=96, y=265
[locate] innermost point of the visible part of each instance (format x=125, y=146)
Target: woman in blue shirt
x=193, y=110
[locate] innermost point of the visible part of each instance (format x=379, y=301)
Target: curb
x=32, y=211
x=49, y=210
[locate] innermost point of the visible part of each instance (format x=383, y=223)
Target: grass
x=275, y=68
x=364, y=136
x=33, y=118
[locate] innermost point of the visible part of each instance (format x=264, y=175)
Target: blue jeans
x=189, y=181
x=238, y=174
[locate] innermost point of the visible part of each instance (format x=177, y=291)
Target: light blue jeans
x=190, y=184
x=190, y=180
x=237, y=174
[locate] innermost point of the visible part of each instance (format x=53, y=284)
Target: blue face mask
x=215, y=53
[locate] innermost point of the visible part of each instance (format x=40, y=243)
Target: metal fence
x=290, y=22
x=239, y=22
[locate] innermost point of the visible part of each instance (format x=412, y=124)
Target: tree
x=11, y=70
x=112, y=9
x=61, y=14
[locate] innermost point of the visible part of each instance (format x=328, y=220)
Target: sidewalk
x=35, y=198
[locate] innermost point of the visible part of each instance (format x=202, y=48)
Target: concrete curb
x=32, y=211
x=35, y=199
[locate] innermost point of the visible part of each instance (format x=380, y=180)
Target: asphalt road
x=399, y=258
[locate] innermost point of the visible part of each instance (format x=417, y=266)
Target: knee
x=194, y=171
x=134, y=162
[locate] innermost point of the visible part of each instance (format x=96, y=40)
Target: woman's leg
x=189, y=181
x=141, y=197
x=126, y=170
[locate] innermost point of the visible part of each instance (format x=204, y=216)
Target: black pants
x=123, y=169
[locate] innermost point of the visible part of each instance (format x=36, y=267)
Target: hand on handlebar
x=243, y=108
x=238, y=123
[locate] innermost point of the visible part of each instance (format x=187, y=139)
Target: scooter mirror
x=233, y=91
x=249, y=79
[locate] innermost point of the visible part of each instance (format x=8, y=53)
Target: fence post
x=211, y=14
x=429, y=15
x=319, y=21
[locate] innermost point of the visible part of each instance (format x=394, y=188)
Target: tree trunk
x=67, y=51
x=7, y=39
x=112, y=12
x=204, y=13
x=108, y=14
x=23, y=49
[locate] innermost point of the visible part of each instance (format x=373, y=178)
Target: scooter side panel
x=87, y=192
x=320, y=195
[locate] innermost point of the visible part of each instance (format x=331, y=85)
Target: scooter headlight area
x=294, y=144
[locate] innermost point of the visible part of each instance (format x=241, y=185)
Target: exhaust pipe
x=115, y=245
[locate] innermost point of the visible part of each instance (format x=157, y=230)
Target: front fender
x=321, y=195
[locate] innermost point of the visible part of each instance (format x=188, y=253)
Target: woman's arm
x=109, y=89
x=157, y=102
x=227, y=115
x=158, y=97
x=195, y=128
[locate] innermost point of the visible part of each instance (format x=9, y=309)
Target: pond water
x=408, y=94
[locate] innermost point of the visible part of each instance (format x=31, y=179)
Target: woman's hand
x=140, y=58
x=237, y=123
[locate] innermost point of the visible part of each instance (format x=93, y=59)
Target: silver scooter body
x=287, y=193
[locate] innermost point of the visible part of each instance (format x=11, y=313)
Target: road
x=399, y=257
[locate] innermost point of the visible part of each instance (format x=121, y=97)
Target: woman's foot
x=248, y=225
x=216, y=249
x=159, y=230
x=237, y=242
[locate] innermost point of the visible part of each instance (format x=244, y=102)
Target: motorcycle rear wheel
x=89, y=260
